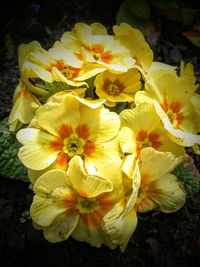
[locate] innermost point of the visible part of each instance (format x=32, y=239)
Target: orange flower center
x=146, y=194
x=173, y=112
x=91, y=210
x=72, y=142
x=68, y=71
x=145, y=139
x=98, y=53
x=113, y=88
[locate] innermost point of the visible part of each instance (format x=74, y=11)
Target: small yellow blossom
x=153, y=187
x=141, y=127
x=74, y=203
x=172, y=96
x=67, y=126
x=54, y=65
x=97, y=49
x=24, y=107
x=24, y=102
x=134, y=40
x=118, y=87
x=159, y=188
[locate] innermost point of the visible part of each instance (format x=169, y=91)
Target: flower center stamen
x=113, y=89
x=73, y=145
x=87, y=205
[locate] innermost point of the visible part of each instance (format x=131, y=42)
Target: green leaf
x=170, y=9
x=139, y=8
x=189, y=15
x=52, y=88
x=10, y=165
x=189, y=181
x=124, y=15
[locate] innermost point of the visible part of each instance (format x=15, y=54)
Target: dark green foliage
x=189, y=181
x=10, y=165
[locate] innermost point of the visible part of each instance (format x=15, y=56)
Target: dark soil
x=163, y=240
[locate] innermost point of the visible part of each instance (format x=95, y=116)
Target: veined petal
x=86, y=185
x=134, y=40
x=118, y=227
x=169, y=195
x=34, y=71
x=25, y=49
x=154, y=164
x=113, y=173
x=36, y=152
x=52, y=115
x=43, y=210
x=103, y=126
x=129, y=165
x=127, y=140
x=24, y=108
x=61, y=228
x=176, y=135
x=49, y=181
x=91, y=234
x=104, y=154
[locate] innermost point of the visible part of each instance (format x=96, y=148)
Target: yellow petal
x=92, y=235
x=36, y=152
x=98, y=28
x=154, y=164
x=178, y=136
x=169, y=195
x=127, y=140
x=134, y=40
x=43, y=210
x=24, y=108
x=49, y=181
x=52, y=115
x=103, y=125
x=25, y=49
x=34, y=71
x=61, y=228
x=86, y=185
x=118, y=227
x=104, y=154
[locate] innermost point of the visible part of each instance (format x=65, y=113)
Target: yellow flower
x=74, y=203
x=118, y=87
x=24, y=107
x=134, y=40
x=141, y=127
x=159, y=188
x=57, y=64
x=24, y=102
x=98, y=50
x=171, y=96
x=67, y=126
x=195, y=99
x=153, y=187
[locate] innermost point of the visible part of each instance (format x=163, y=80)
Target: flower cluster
x=104, y=126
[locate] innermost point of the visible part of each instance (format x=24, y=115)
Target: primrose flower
x=141, y=127
x=159, y=188
x=24, y=102
x=74, y=203
x=171, y=96
x=153, y=187
x=134, y=40
x=68, y=126
x=96, y=49
x=23, y=110
x=54, y=65
x=117, y=87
